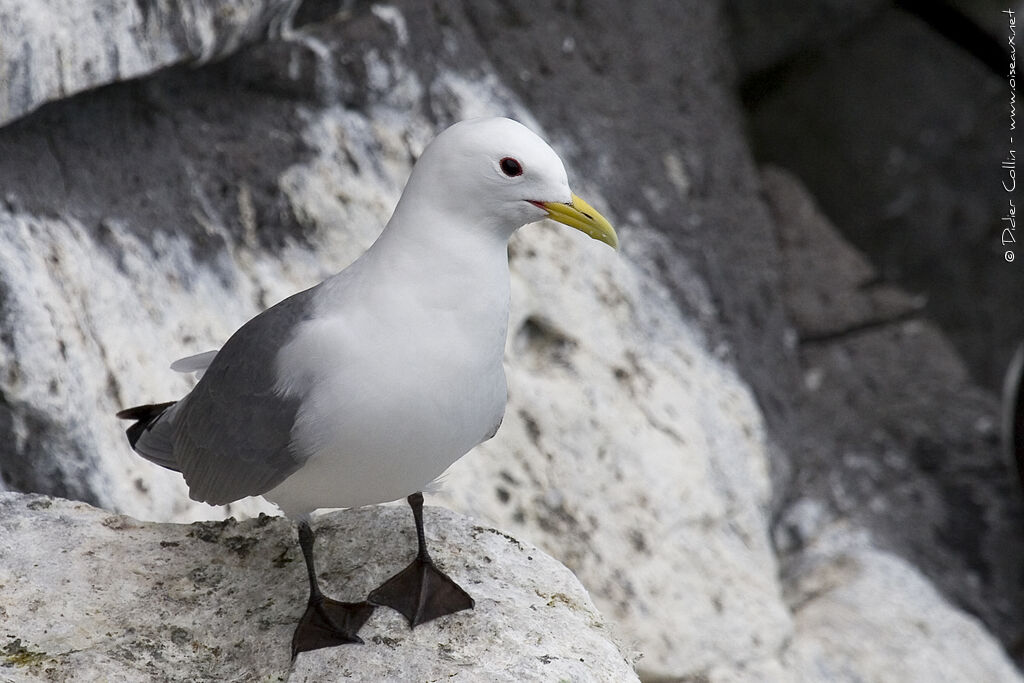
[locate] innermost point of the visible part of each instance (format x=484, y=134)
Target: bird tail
x=152, y=435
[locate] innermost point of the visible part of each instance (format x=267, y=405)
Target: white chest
x=394, y=388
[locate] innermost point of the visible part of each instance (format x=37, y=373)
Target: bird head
x=499, y=175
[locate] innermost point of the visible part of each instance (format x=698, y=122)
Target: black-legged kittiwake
x=364, y=388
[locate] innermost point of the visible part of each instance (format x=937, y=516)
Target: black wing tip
x=145, y=412
x=144, y=416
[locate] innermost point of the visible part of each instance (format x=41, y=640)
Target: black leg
x=326, y=622
x=421, y=591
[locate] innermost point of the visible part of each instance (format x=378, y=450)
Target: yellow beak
x=584, y=218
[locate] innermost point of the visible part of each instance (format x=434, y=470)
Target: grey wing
x=232, y=436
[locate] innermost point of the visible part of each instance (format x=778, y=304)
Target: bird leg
x=326, y=622
x=421, y=591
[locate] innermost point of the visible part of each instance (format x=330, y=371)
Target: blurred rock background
x=764, y=436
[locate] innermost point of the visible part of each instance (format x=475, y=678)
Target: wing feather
x=233, y=432
x=197, y=363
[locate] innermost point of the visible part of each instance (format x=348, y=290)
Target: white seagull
x=366, y=387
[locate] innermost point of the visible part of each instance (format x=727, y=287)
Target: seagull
x=366, y=387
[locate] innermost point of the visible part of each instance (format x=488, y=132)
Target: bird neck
x=424, y=239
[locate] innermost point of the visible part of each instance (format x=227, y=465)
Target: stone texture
x=62, y=362
x=916, y=445
x=57, y=48
x=89, y=595
x=768, y=38
x=899, y=132
x=830, y=290
x=864, y=614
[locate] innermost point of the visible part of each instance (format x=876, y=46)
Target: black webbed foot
x=328, y=622
x=421, y=591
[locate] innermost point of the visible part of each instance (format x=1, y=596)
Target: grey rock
x=829, y=289
x=915, y=444
x=899, y=133
x=89, y=595
x=767, y=38
x=861, y=613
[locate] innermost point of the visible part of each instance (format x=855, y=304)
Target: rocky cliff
x=762, y=462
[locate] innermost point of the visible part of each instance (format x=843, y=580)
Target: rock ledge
x=91, y=595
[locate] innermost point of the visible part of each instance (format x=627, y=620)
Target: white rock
x=93, y=596
x=57, y=48
x=863, y=614
x=90, y=331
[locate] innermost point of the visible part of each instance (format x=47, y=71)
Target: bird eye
x=511, y=167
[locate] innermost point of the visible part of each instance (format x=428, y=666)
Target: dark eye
x=511, y=167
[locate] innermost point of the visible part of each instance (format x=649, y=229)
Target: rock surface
x=58, y=48
x=89, y=595
x=915, y=443
x=913, y=181
x=864, y=614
